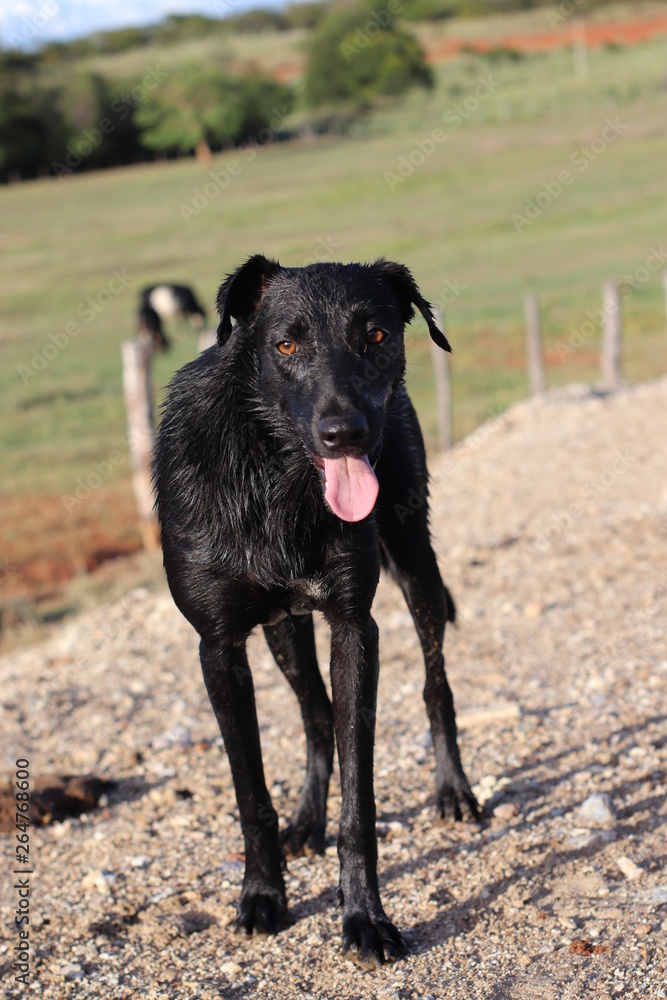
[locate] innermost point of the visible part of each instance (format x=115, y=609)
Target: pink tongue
x=351, y=488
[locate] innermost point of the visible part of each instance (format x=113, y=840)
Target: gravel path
x=551, y=527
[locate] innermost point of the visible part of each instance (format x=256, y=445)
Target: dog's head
x=330, y=348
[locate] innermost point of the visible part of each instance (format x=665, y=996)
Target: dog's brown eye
x=375, y=336
x=286, y=347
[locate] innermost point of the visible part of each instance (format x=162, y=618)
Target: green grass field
x=450, y=220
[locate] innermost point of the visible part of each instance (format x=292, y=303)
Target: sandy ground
x=551, y=527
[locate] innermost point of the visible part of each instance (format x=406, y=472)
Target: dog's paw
x=261, y=912
x=370, y=941
x=457, y=804
x=302, y=837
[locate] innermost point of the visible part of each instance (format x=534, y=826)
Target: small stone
x=391, y=829
x=631, y=870
x=231, y=969
x=97, y=881
x=657, y=896
x=581, y=946
x=606, y=836
x=579, y=837
x=485, y=788
x=534, y=609
x=597, y=810
x=162, y=796
x=641, y=930
x=141, y=861
x=547, y=949
x=72, y=971
x=178, y=736
x=502, y=712
x=506, y=811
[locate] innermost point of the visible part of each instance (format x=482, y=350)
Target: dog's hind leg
x=262, y=906
x=412, y=563
x=292, y=643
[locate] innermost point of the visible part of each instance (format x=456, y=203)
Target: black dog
x=282, y=453
x=162, y=302
x=150, y=324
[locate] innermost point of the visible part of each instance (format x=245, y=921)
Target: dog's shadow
x=454, y=916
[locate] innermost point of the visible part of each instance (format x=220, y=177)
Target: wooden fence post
x=611, y=335
x=444, y=388
x=534, y=355
x=137, y=356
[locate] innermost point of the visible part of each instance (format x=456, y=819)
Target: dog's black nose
x=343, y=432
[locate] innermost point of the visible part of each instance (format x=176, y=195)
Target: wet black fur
x=248, y=540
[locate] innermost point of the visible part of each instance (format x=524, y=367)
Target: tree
x=358, y=55
x=32, y=127
x=204, y=109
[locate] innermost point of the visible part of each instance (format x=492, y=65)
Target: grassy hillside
x=450, y=220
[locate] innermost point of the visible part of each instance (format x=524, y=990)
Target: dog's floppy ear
x=241, y=293
x=405, y=289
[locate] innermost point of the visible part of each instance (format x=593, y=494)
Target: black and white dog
x=160, y=303
x=283, y=454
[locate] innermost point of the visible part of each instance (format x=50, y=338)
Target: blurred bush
x=358, y=54
x=33, y=127
x=205, y=110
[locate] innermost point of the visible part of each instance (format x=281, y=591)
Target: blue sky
x=26, y=23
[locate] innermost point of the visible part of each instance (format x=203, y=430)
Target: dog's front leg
x=262, y=906
x=367, y=932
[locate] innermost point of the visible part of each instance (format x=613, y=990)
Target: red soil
x=594, y=35
x=42, y=545
x=616, y=33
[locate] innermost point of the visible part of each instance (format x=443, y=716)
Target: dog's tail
x=451, y=606
x=449, y=600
